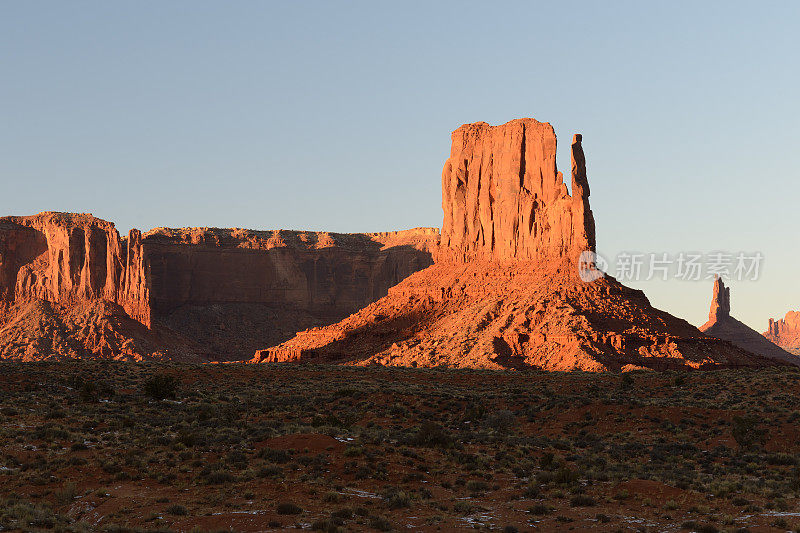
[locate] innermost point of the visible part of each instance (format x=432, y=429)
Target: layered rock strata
x=503, y=197
x=505, y=291
x=223, y=292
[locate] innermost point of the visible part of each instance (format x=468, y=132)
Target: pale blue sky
x=337, y=116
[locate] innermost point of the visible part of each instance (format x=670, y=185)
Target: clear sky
x=336, y=116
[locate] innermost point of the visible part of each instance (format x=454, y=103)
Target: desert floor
x=121, y=447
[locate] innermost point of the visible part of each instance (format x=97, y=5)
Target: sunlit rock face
x=505, y=290
x=785, y=332
x=503, y=197
x=193, y=293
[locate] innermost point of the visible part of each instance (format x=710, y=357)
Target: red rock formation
x=503, y=197
x=723, y=326
x=785, y=332
x=231, y=290
x=59, y=257
x=236, y=290
x=505, y=290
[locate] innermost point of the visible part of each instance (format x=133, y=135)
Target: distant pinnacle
x=720, y=301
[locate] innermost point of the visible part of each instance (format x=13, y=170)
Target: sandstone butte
x=785, y=332
x=723, y=326
x=504, y=290
x=71, y=287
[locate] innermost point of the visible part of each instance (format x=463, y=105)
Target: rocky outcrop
x=503, y=197
x=723, y=326
x=59, y=257
x=228, y=290
x=720, y=302
x=785, y=332
x=505, y=291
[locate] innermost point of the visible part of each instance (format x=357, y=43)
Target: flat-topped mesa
x=720, y=301
x=224, y=292
x=503, y=197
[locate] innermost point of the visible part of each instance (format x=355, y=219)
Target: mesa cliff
x=504, y=199
x=70, y=286
x=785, y=332
x=723, y=326
x=505, y=290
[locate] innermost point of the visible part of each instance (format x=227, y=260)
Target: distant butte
x=723, y=326
x=505, y=291
x=785, y=332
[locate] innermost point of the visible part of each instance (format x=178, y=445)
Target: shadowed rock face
x=223, y=292
x=785, y=332
x=504, y=291
x=723, y=326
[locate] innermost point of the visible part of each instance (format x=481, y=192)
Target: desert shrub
x=329, y=526
x=780, y=523
x=270, y=471
x=581, y=500
x=433, y=435
x=462, y=507
x=547, y=460
x=66, y=494
x=397, y=499
x=353, y=451
x=23, y=516
x=475, y=412
x=288, y=508
x=160, y=386
x=501, y=421
x=332, y=497
x=274, y=456
x=565, y=476
x=627, y=381
x=746, y=432
x=379, y=523
x=699, y=528
x=539, y=509
x=219, y=477
x=477, y=486
x=531, y=491
x=345, y=513
x=236, y=458
x=781, y=459
x=177, y=510
x=622, y=495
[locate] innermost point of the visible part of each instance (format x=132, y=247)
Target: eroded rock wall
x=204, y=293
x=328, y=273
x=785, y=332
x=503, y=197
x=59, y=257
